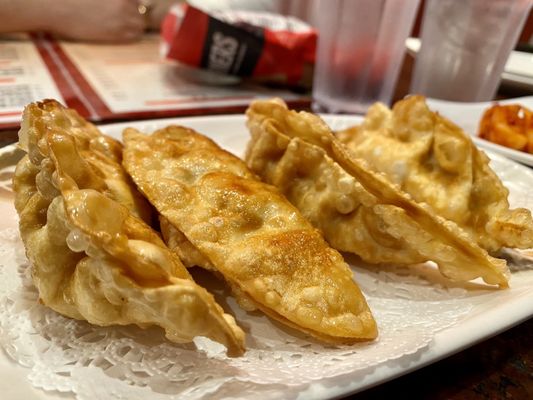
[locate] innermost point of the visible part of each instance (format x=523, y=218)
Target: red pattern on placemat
x=76, y=91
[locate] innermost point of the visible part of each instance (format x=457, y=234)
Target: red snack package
x=262, y=46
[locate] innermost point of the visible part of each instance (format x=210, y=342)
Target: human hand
x=157, y=11
x=103, y=21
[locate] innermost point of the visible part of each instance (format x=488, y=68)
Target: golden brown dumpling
x=269, y=254
x=179, y=244
x=91, y=258
x=434, y=161
x=97, y=161
x=358, y=210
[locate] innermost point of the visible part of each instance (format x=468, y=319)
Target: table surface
x=498, y=368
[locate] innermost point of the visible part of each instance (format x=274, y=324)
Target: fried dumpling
x=93, y=160
x=358, y=210
x=179, y=244
x=437, y=163
x=263, y=247
x=91, y=257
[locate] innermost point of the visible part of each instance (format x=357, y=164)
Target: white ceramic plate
x=487, y=312
x=468, y=115
x=518, y=71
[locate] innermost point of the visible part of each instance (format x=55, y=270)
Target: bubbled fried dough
x=140, y=280
x=250, y=233
x=92, y=159
x=358, y=210
x=437, y=163
x=92, y=258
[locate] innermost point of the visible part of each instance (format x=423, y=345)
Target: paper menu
x=24, y=77
x=105, y=82
x=135, y=78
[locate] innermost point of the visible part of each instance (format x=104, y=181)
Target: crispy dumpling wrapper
x=273, y=259
x=92, y=258
x=97, y=164
x=358, y=210
x=437, y=163
x=179, y=244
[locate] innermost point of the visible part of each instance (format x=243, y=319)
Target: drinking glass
x=464, y=47
x=360, y=50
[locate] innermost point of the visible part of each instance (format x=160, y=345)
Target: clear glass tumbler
x=361, y=46
x=464, y=47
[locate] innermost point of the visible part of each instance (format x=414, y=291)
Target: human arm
x=104, y=21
